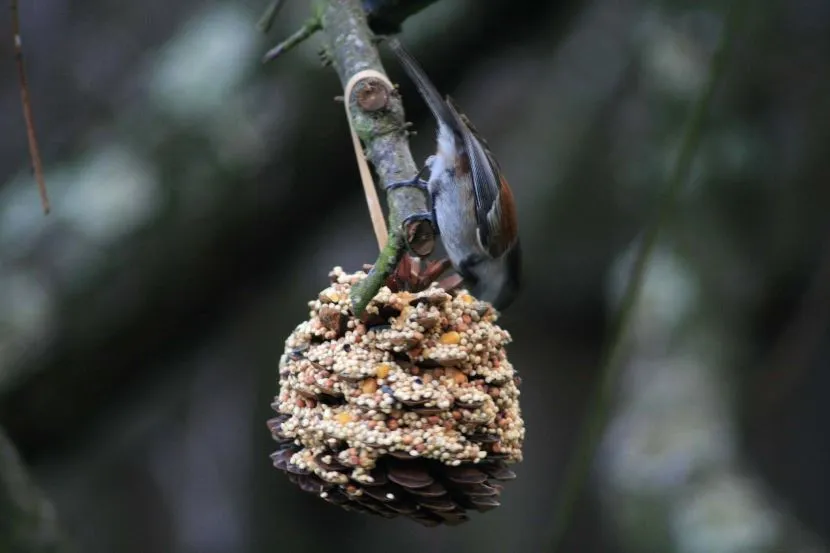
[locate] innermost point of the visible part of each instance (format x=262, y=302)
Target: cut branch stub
x=419, y=237
x=372, y=94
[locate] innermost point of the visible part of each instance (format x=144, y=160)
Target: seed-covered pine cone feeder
x=411, y=410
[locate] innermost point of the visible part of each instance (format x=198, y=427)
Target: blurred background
x=200, y=198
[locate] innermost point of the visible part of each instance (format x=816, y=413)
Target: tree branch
x=350, y=45
x=27, y=519
x=376, y=115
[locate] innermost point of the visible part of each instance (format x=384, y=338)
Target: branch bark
x=351, y=46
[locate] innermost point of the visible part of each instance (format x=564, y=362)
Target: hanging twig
x=589, y=438
x=34, y=151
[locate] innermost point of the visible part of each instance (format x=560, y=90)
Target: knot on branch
x=419, y=237
x=372, y=94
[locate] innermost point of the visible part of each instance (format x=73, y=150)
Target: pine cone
x=412, y=410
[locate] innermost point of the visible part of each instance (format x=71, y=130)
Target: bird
x=473, y=210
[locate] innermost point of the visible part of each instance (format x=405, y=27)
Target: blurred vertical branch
x=589, y=438
x=34, y=151
x=673, y=478
x=672, y=473
x=27, y=519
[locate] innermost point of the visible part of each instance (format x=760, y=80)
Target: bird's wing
x=492, y=195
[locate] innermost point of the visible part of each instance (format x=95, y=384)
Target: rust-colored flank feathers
x=462, y=164
x=509, y=220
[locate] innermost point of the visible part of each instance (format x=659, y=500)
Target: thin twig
x=34, y=151
x=589, y=438
x=306, y=31
x=267, y=20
